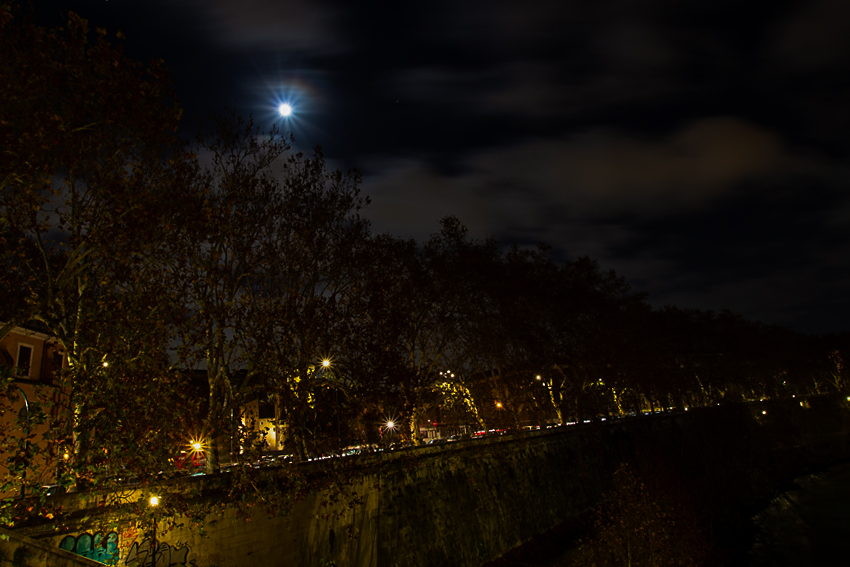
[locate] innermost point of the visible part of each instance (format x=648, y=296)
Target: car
x=189, y=461
x=54, y=489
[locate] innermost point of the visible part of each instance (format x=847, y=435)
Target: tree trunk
x=413, y=425
x=213, y=412
x=278, y=445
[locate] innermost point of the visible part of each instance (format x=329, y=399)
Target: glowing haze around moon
x=285, y=109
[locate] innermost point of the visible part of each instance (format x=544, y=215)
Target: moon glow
x=285, y=109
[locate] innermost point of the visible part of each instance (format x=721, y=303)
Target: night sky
x=698, y=148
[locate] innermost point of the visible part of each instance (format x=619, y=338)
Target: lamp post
x=387, y=428
x=154, y=501
x=25, y=409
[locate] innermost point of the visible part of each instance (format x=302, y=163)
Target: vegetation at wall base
x=643, y=527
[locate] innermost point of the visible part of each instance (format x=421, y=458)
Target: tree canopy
x=152, y=261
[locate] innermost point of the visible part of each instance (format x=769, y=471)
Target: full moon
x=285, y=109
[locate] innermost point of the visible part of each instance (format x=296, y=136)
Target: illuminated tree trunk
x=556, y=397
x=473, y=407
x=277, y=421
x=213, y=413
x=413, y=425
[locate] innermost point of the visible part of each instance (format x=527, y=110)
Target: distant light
x=764, y=413
x=538, y=377
x=154, y=501
x=196, y=446
x=285, y=109
x=390, y=425
x=498, y=404
x=326, y=363
x=105, y=364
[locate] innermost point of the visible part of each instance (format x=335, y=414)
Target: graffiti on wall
x=97, y=546
x=140, y=555
x=112, y=549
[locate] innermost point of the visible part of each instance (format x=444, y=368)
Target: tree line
x=147, y=256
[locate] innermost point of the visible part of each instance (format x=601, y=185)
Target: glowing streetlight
x=154, y=502
x=326, y=363
x=387, y=429
x=499, y=405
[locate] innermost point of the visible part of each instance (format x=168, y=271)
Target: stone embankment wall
x=462, y=504
x=19, y=550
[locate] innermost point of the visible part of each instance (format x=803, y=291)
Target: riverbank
x=808, y=526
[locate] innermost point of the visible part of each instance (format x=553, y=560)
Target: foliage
x=306, y=294
x=24, y=437
x=642, y=527
x=89, y=165
x=214, y=261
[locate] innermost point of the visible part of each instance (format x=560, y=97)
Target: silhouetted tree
x=89, y=165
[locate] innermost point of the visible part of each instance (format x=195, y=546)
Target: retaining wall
x=462, y=504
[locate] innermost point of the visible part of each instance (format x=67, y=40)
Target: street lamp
x=154, y=502
x=387, y=428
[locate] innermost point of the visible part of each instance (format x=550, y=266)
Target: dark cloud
x=597, y=173
x=769, y=249
x=699, y=148
x=266, y=25
x=814, y=37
